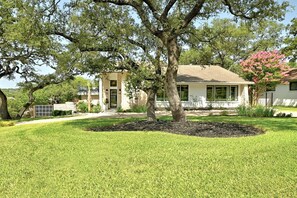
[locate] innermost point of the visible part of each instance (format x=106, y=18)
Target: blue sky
x=5, y=83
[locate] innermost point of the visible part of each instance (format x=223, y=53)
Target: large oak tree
x=168, y=20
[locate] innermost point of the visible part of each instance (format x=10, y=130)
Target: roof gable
x=208, y=73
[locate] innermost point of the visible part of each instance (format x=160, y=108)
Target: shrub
x=280, y=114
x=135, y=108
x=139, y=108
x=61, y=112
x=120, y=109
x=82, y=107
x=6, y=123
x=96, y=109
x=257, y=111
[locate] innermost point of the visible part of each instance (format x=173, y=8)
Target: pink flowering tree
x=264, y=68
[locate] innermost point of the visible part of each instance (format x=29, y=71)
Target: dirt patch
x=202, y=129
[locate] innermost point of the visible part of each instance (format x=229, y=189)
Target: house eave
x=218, y=82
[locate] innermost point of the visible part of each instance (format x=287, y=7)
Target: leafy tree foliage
x=111, y=45
x=225, y=42
x=51, y=94
x=24, y=42
x=264, y=68
x=291, y=43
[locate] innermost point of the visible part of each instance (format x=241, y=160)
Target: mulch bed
x=202, y=129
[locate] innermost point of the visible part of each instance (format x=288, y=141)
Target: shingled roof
x=208, y=73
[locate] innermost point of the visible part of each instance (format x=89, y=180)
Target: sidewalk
x=79, y=117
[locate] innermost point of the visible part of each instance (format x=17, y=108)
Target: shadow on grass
x=274, y=124
x=271, y=124
x=98, y=122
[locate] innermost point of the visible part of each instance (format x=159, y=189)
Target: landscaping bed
x=202, y=129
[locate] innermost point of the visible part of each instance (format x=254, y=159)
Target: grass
x=63, y=160
x=283, y=108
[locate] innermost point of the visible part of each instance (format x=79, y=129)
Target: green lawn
x=63, y=160
x=282, y=108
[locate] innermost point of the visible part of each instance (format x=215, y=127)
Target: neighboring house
x=284, y=94
x=198, y=87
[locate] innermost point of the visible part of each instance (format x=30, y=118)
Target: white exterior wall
x=65, y=107
x=281, y=96
x=125, y=103
x=197, y=95
x=197, y=98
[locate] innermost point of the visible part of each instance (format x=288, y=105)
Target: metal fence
x=43, y=110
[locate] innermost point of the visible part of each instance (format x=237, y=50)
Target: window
x=183, y=92
x=293, y=86
x=113, y=83
x=221, y=93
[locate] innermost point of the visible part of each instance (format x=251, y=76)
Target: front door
x=113, y=98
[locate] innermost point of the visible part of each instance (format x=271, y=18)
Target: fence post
x=266, y=99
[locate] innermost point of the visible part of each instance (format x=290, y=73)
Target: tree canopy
x=225, y=42
x=169, y=20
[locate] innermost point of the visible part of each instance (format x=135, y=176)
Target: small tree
x=264, y=68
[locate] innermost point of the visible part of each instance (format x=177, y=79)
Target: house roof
x=208, y=73
x=292, y=76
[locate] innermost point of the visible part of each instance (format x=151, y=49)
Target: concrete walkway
x=77, y=117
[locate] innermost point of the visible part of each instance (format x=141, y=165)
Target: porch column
x=245, y=94
x=100, y=98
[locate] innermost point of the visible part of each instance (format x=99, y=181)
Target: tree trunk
x=176, y=108
x=89, y=98
x=150, y=104
x=26, y=105
x=3, y=107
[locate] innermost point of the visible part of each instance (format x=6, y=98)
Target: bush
x=6, y=123
x=139, y=108
x=61, y=112
x=82, y=107
x=284, y=115
x=135, y=108
x=257, y=111
x=96, y=109
x=120, y=109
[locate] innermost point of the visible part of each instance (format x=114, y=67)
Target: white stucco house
x=284, y=94
x=198, y=87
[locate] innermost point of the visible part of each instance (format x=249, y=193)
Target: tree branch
x=141, y=12
x=192, y=14
x=85, y=48
x=152, y=8
x=167, y=9
x=238, y=14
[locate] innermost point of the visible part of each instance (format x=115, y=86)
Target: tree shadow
x=84, y=124
x=272, y=124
